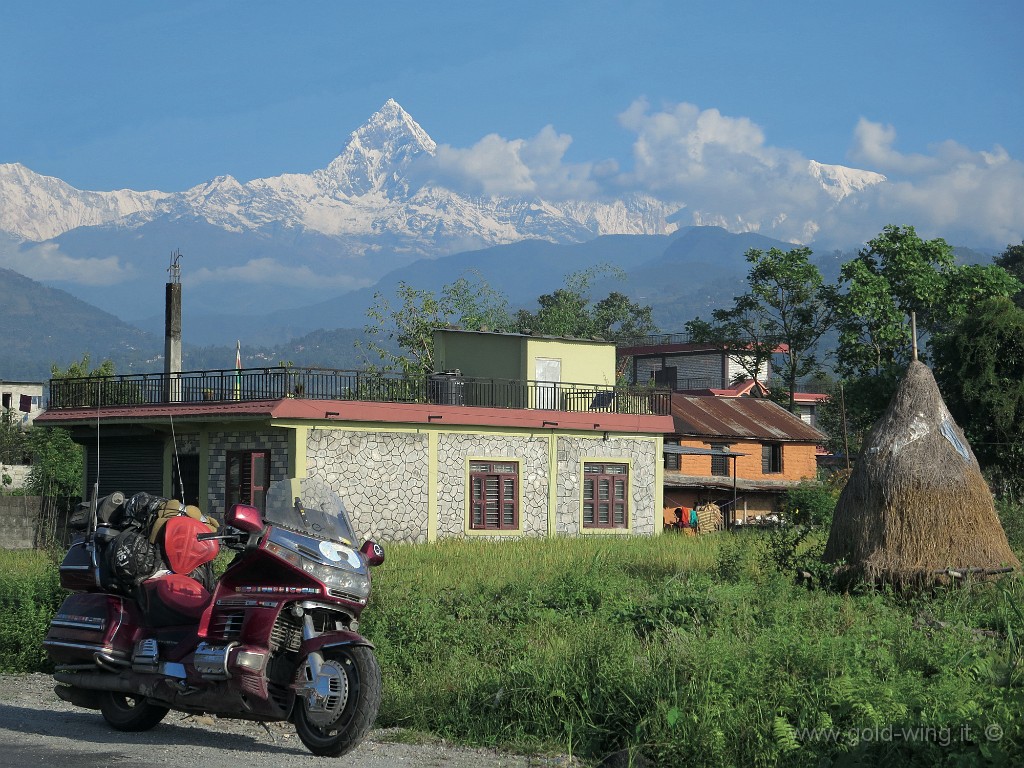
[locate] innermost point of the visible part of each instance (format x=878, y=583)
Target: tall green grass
x=690, y=651
x=30, y=594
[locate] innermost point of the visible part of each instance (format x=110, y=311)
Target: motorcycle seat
x=173, y=599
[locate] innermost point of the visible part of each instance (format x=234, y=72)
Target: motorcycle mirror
x=373, y=552
x=245, y=518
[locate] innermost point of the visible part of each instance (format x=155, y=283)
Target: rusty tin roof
x=742, y=418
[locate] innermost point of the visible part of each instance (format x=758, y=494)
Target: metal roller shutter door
x=127, y=464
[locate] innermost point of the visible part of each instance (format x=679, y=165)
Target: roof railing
x=273, y=383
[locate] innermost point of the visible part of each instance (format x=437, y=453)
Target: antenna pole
x=177, y=462
x=913, y=332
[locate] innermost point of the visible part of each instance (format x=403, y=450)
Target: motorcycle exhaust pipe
x=98, y=681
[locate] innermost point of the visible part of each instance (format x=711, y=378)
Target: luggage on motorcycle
x=130, y=559
x=172, y=508
x=106, y=509
x=181, y=596
x=140, y=511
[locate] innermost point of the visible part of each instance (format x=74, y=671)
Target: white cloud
x=515, y=167
x=967, y=197
x=47, y=263
x=271, y=272
x=723, y=170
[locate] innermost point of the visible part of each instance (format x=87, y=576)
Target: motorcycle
x=275, y=638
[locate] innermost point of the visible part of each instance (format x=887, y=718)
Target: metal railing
x=254, y=384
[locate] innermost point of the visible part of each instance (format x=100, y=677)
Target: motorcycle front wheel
x=129, y=713
x=332, y=724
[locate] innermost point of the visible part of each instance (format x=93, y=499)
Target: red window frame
x=247, y=478
x=493, y=495
x=605, y=495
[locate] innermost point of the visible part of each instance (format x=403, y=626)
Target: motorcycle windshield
x=311, y=507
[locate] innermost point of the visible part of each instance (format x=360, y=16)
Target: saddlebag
x=77, y=572
x=91, y=629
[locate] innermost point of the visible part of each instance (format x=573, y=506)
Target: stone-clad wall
x=642, y=477
x=274, y=440
x=381, y=477
x=453, y=450
x=384, y=478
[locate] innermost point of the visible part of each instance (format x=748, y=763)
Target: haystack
x=916, y=506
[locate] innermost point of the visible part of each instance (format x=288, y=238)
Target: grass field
x=672, y=650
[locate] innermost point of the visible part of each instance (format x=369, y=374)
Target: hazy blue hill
x=145, y=251
x=682, y=276
x=41, y=326
x=521, y=271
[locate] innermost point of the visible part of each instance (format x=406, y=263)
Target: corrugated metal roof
x=742, y=418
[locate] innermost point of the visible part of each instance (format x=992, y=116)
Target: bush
x=30, y=594
x=1011, y=515
x=810, y=503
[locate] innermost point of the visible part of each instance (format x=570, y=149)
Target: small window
x=672, y=459
x=720, y=464
x=493, y=495
x=771, y=458
x=605, y=495
x=248, y=475
x=7, y=400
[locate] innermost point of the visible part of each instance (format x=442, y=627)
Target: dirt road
x=38, y=729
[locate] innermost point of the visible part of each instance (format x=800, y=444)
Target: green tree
x=80, y=369
x=56, y=459
x=86, y=393
x=1012, y=260
x=408, y=324
x=786, y=311
x=56, y=463
x=569, y=311
x=13, y=445
x=979, y=367
x=13, y=440
x=897, y=274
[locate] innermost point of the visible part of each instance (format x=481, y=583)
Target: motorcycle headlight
x=349, y=583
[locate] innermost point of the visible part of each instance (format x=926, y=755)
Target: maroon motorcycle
x=275, y=638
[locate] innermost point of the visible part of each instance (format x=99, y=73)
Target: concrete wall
x=18, y=473
x=582, y=362
x=512, y=356
x=19, y=520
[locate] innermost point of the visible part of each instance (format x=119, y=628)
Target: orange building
x=741, y=453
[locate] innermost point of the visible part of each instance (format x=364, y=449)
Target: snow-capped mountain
x=35, y=207
x=368, y=190
x=839, y=181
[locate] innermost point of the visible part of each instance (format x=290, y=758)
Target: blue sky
x=108, y=95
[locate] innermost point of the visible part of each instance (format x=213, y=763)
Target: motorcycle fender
x=332, y=640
